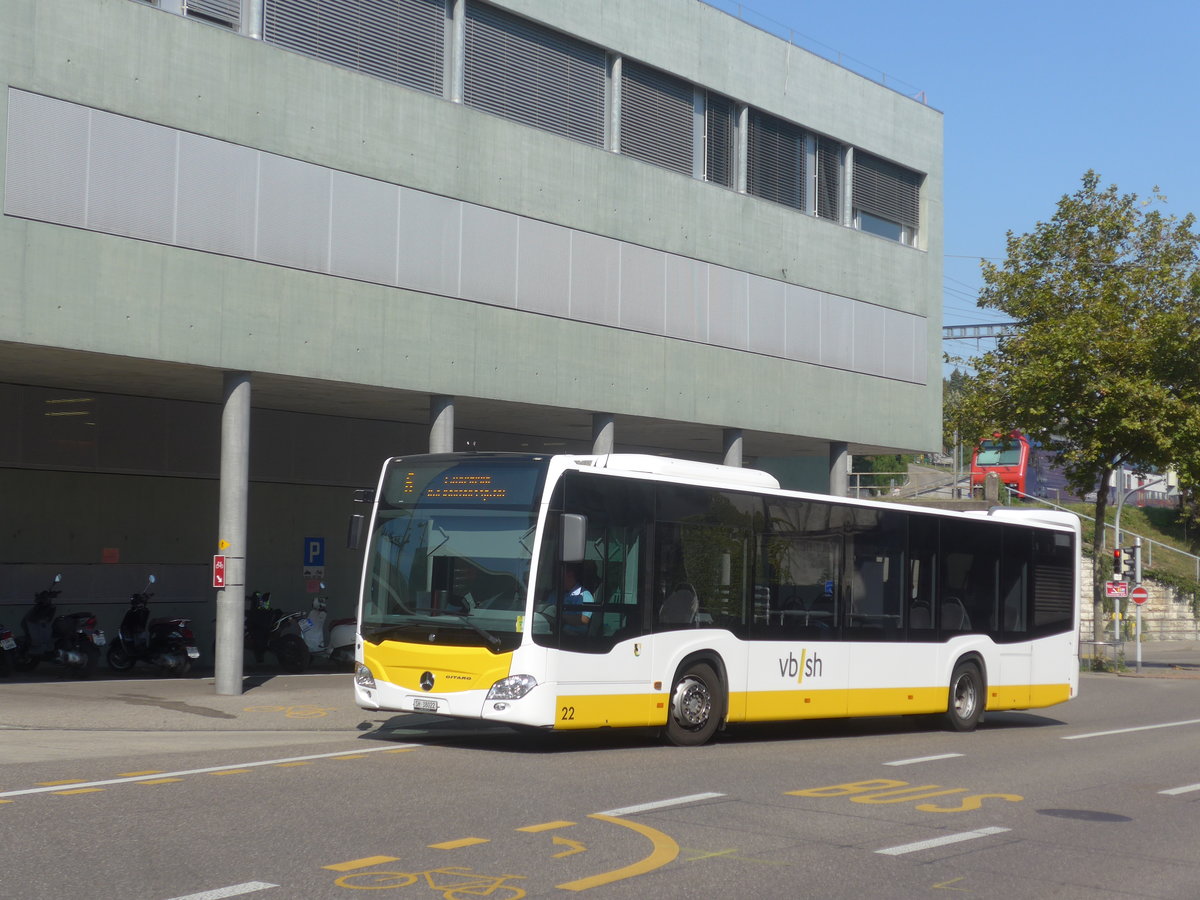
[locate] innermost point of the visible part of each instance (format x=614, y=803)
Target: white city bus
x=709, y=596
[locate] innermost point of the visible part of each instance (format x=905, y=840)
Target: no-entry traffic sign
x=1139, y=595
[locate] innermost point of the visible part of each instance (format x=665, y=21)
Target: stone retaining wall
x=1165, y=616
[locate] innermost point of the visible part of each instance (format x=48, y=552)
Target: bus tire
x=966, y=698
x=695, y=706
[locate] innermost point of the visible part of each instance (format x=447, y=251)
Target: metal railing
x=1148, y=544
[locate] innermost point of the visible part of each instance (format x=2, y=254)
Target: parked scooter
x=8, y=650
x=165, y=642
x=71, y=639
x=326, y=638
x=272, y=629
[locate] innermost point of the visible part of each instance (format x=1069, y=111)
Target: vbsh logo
x=809, y=665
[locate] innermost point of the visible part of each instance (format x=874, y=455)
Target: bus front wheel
x=966, y=698
x=695, y=709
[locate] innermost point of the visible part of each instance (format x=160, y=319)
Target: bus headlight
x=514, y=687
x=363, y=677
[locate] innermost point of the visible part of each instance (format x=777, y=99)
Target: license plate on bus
x=422, y=705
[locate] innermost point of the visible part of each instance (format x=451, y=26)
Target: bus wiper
x=493, y=641
x=371, y=634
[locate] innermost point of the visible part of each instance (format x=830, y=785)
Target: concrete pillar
x=732, y=439
x=252, y=19
x=458, y=43
x=839, y=469
x=603, y=429
x=231, y=531
x=441, y=424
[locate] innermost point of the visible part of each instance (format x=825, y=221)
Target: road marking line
x=665, y=851
x=461, y=842
x=76, y=791
x=942, y=841
x=234, y=890
x=230, y=772
x=208, y=771
x=660, y=804
x=573, y=847
x=361, y=863
x=546, y=826
x=921, y=759
x=136, y=774
x=1182, y=790
x=158, y=781
x=56, y=783
x=1079, y=737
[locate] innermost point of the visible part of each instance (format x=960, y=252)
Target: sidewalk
x=1163, y=659
x=309, y=703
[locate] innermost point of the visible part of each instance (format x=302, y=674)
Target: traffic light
x=1123, y=562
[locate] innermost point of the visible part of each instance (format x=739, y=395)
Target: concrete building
x=355, y=230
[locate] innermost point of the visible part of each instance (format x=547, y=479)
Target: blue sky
x=1033, y=94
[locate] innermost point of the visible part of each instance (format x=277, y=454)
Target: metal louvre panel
x=225, y=12
x=719, y=139
x=656, y=117
x=530, y=74
x=886, y=190
x=829, y=179
x=402, y=41
x=776, y=160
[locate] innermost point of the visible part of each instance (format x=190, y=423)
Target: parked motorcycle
x=8, y=650
x=269, y=629
x=71, y=639
x=166, y=642
x=331, y=639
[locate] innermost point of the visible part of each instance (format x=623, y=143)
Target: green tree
x=1104, y=367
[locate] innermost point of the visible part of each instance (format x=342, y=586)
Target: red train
x=1012, y=456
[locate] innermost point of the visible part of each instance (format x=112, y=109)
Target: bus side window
x=922, y=573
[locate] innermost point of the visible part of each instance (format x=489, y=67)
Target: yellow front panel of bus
x=453, y=668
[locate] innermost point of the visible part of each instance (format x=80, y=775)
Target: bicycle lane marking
x=665, y=849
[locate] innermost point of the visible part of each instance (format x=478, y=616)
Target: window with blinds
x=657, y=114
x=402, y=41
x=776, y=157
x=886, y=190
x=219, y=12
x=522, y=71
x=719, y=139
x=829, y=179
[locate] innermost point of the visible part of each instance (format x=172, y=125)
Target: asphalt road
x=154, y=789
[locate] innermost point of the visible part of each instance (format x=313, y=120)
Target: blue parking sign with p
x=314, y=551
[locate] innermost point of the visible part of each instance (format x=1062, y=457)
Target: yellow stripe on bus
x=609, y=710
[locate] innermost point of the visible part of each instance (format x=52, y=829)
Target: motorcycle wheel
x=23, y=660
x=91, y=660
x=182, y=669
x=6, y=666
x=292, y=653
x=119, y=659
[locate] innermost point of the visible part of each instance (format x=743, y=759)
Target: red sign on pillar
x=218, y=571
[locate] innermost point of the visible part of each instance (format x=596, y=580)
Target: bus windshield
x=998, y=453
x=448, y=560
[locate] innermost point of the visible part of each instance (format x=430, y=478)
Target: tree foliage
x=1104, y=367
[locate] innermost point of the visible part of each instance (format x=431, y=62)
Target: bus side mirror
x=574, y=537
x=354, y=534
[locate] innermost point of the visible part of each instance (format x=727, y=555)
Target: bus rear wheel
x=695, y=709
x=965, y=707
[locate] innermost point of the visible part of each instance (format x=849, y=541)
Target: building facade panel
x=329, y=216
